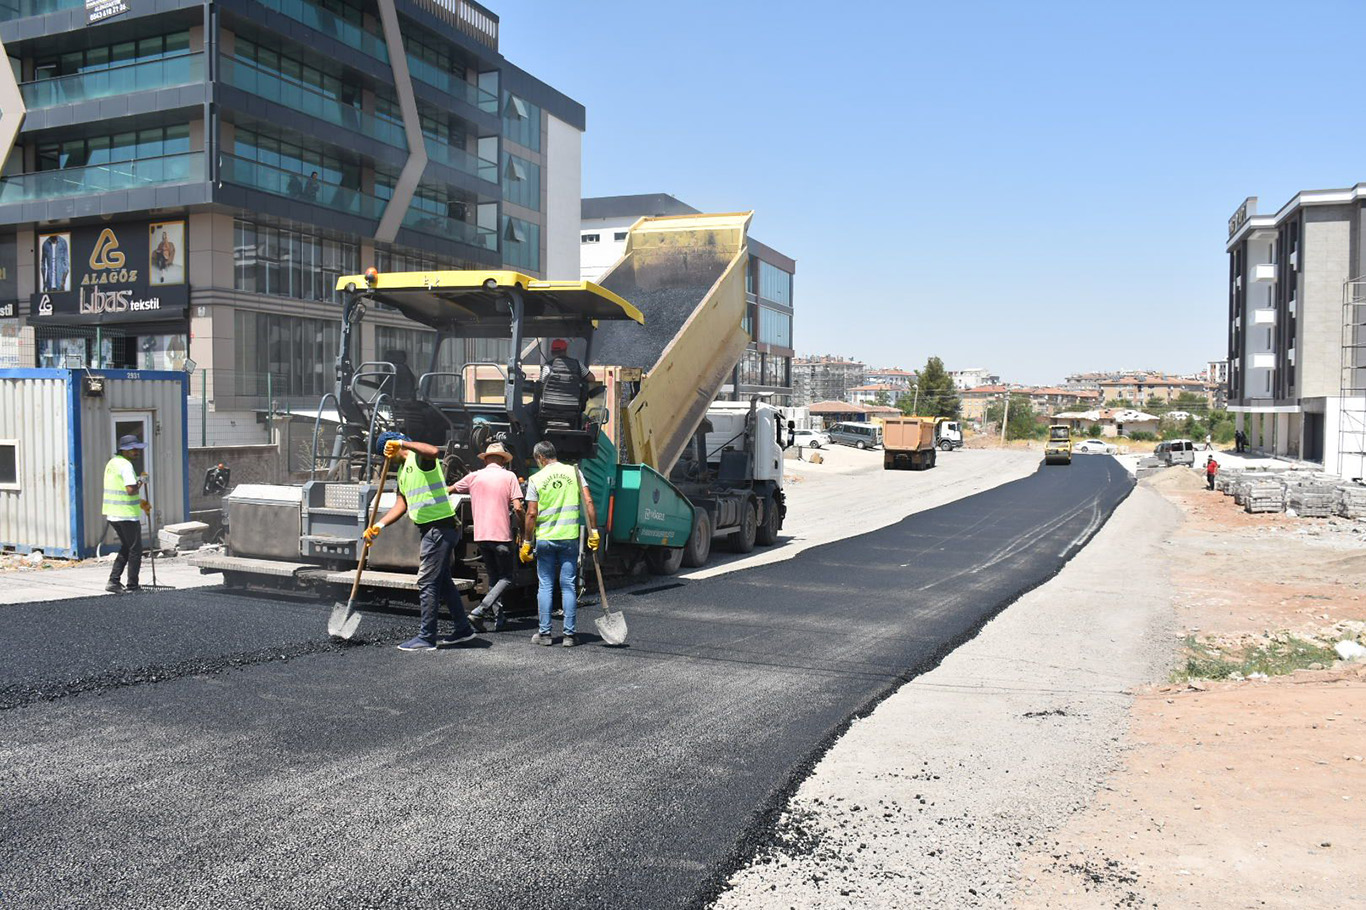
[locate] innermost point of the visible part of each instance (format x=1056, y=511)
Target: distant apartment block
x=868, y=394
x=896, y=378
x=1296, y=373
x=766, y=366
x=827, y=378
x=973, y=378
x=1141, y=388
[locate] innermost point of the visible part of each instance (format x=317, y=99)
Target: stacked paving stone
x=1315, y=499
x=1352, y=500
x=1263, y=494
x=1226, y=482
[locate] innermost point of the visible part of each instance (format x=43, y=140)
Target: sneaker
x=458, y=638
x=542, y=638
x=500, y=620
x=132, y=589
x=569, y=641
x=115, y=587
x=417, y=644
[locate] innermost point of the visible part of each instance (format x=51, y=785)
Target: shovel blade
x=612, y=628
x=343, y=621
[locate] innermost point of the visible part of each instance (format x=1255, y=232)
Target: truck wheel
x=742, y=541
x=767, y=533
x=932, y=456
x=664, y=560
x=888, y=462
x=698, y=548
x=946, y=446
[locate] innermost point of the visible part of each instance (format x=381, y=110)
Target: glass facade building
x=224, y=161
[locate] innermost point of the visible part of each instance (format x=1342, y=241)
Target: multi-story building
x=869, y=393
x=765, y=368
x=1216, y=383
x=1141, y=388
x=1295, y=365
x=194, y=175
x=894, y=377
x=972, y=378
x=816, y=379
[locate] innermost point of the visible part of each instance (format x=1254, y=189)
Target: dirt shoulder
x=1243, y=784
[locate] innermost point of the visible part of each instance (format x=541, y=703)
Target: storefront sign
x=100, y=10
x=112, y=274
x=9, y=310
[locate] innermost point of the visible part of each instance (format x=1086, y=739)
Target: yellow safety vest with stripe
x=557, y=502
x=425, y=491
x=118, y=502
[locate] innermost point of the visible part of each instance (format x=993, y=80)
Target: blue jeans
x=434, y=584
x=557, y=559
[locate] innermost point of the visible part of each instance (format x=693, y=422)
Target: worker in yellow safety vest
x=422, y=495
x=122, y=504
x=557, y=500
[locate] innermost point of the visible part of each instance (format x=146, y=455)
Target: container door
x=139, y=424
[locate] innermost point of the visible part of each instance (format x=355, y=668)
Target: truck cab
x=948, y=434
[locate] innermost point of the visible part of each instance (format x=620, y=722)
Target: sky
x=1034, y=188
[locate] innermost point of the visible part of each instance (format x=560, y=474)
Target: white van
x=858, y=435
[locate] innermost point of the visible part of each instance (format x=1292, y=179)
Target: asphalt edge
x=760, y=832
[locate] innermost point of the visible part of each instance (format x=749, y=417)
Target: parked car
x=810, y=439
x=1175, y=451
x=859, y=435
x=1095, y=447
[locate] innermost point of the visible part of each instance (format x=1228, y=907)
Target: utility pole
x=915, y=407
x=1005, y=418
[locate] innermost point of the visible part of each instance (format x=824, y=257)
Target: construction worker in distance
x=122, y=503
x=493, y=490
x=556, y=500
x=422, y=495
x=1211, y=470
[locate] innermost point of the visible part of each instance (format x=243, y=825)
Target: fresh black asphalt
x=210, y=750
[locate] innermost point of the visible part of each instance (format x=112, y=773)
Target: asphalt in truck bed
x=209, y=750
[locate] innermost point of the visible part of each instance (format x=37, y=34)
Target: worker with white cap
x=121, y=506
x=494, y=493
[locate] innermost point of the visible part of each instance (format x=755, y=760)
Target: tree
x=905, y=403
x=938, y=396
x=1024, y=423
x=882, y=399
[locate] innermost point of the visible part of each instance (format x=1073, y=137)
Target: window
x=417, y=347
x=522, y=122
x=109, y=56
x=521, y=243
x=294, y=71
x=775, y=327
x=521, y=182
x=590, y=238
x=128, y=146
x=775, y=284
x=300, y=355
x=284, y=155
x=619, y=236
x=289, y=263
x=9, y=464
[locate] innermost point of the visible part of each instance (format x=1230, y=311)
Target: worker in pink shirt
x=494, y=494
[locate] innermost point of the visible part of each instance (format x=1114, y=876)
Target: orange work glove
x=392, y=448
x=146, y=506
x=524, y=554
x=372, y=532
x=594, y=539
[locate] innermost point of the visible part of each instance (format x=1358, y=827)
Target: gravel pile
x=627, y=344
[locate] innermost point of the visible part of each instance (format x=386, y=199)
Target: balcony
x=450, y=229
x=1263, y=316
x=102, y=178
x=461, y=160
x=120, y=80
x=320, y=20
x=452, y=84
x=291, y=185
x=264, y=84
x=1265, y=271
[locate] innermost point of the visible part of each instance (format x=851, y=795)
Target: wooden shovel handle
x=374, y=510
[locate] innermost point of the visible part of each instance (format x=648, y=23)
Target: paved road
x=203, y=750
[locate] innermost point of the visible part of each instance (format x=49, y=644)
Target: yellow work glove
x=146, y=506
x=524, y=554
x=392, y=448
x=372, y=532
x=594, y=540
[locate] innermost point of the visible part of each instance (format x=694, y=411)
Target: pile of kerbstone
x=1310, y=494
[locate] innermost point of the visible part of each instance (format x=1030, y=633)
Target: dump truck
x=306, y=536
x=948, y=434
x=908, y=443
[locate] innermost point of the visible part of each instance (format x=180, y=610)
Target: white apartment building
x=1296, y=305
x=973, y=378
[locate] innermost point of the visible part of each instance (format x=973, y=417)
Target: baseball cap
x=130, y=442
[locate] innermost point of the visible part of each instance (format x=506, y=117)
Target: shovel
x=611, y=626
x=344, y=619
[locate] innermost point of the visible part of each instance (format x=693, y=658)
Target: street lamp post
x=915, y=406
x=1005, y=417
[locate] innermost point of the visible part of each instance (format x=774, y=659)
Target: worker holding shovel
x=422, y=496
x=553, y=496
